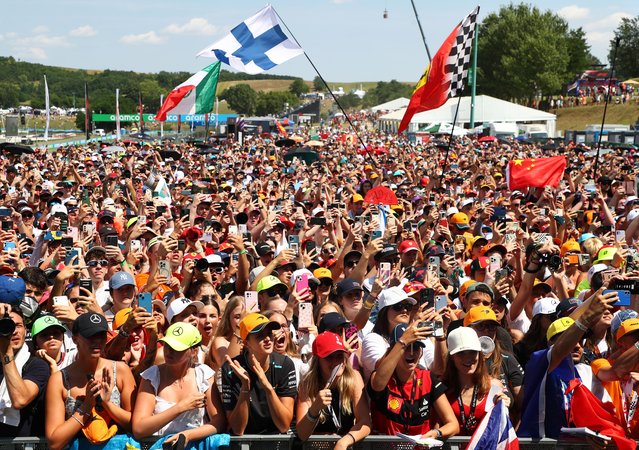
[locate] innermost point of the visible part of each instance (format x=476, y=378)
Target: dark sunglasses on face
x=208, y=299
x=27, y=216
x=329, y=250
x=96, y=262
x=274, y=292
x=326, y=283
x=402, y=306
x=350, y=264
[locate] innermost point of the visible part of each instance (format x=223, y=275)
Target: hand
x=107, y=383
x=240, y=372
x=192, y=401
x=502, y=396
x=49, y=360
x=173, y=439
x=92, y=392
x=261, y=375
x=323, y=399
x=65, y=313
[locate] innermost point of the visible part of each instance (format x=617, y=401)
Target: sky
x=347, y=40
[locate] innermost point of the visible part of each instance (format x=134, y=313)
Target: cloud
x=40, y=29
x=83, y=31
x=31, y=53
x=610, y=22
x=150, y=37
x=195, y=26
x=42, y=40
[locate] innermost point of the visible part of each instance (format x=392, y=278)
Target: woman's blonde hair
x=224, y=327
x=312, y=383
x=592, y=247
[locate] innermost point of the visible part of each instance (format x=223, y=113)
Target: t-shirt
x=374, y=347
x=405, y=408
x=511, y=374
x=32, y=416
x=281, y=375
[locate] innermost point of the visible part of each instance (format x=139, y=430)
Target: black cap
x=353, y=254
x=108, y=230
x=331, y=321
x=347, y=285
x=263, y=249
x=89, y=324
x=398, y=332
x=386, y=252
x=106, y=213
x=566, y=306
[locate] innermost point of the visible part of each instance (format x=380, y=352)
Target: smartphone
x=543, y=211
x=624, y=297
x=5, y=212
x=408, y=226
x=181, y=245
x=627, y=285
x=6, y=226
x=293, y=239
x=161, y=209
x=295, y=247
x=559, y=212
x=8, y=246
x=434, y=260
x=441, y=301
x=232, y=229
x=242, y=228
x=427, y=297
x=301, y=283
x=620, y=235
x=376, y=234
x=71, y=254
x=145, y=301
x=318, y=221
x=112, y=240
x=67, y=242
x=384, y=271
x=61, y=300
x=310, y=245
x=88, y=228
x=135, y=245
x=438, y=329
x=305, y=315
x=164, y=269
x=584, y=259
x=250, y=301
x=349, y=331
x=495, y=263
x=512, y=227
x=543, y=239
x=86, y=283
x=142, y=220
x=64, y=224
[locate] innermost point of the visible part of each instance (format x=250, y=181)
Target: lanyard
x=469, y=423
x=406, y=412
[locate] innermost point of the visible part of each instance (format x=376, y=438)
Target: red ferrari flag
x=444, y=77
x=281, y=129
x=524, y=173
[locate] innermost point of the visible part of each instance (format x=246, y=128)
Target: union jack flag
x=495, y=431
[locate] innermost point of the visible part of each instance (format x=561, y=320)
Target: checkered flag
x=444, y=77
x=239, y=124
x=458, y=60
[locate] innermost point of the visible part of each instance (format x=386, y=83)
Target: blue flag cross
x=254, y=48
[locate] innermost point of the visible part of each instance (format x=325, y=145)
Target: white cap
x=630, y=198
x=214, y=259
x=452, y=210
x=596, y=268
x=466, y=202
x=298, y=273
x=392, y=296
x=57, y=207
x=108, y=202
x=546, y=305
x=462, y=339
x=177, y=306
x=317, y=210
x=632, y=215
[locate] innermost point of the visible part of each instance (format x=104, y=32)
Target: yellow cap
x=357, y=198
x=627, y=326
x=254, y=323
x=322, y=272
x=181, y=336
x=558, y=326
x=120, y=318
x=570, y=246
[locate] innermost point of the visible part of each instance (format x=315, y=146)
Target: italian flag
x=195, y=96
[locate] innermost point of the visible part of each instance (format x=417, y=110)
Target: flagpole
x=473, y=81
x=117, y=114
x=162, y=122
x=607, y=99
x=359, y=138
x=46, y=100
x=450, y=141
x=87, y=111
x=419, y=24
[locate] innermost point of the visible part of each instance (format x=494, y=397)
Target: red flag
x=444, y=76
x=524, y=173
x=281, y=129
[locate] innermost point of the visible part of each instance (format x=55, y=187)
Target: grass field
x=578, y=118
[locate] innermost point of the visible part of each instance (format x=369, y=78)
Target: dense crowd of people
x=190, y=295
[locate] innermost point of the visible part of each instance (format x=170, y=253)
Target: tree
x=350, y=101
x=275, y=102
x=524, y=51
x=79, y=120
x=298, y=87
x=318, y=84
x=241, y=98
x=627, y=64
x=385, y=92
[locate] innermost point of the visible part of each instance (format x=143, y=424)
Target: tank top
x=71, y=404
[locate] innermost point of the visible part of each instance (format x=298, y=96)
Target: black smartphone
x=112, y=240
x=181, y=244
x=86, y=283
x=6, y=226
x=67, y=242
x=185, y=212
x=427, y=296
x=149, y=203
x=318, y=221
x=161, y=209
x=310, y=245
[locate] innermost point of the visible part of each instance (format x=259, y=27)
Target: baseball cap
x=479, y=314
x=479, y=241
x=621, y=316
x=357, y=198
x=595, y=269
x=331, y=321
x=546, y=305
x=89, y=324
x=327, y=343
x=407, y=246
x=397, y=334
x=181, y=336
x=263, y=249
x=570, y=246
x=12, y=289
x=268, y=282
x=322, y=273
x=494, y=247
x=462, y=339
x=606, y=253
x=480, y=287
x=632, y=215
x=541, y=287
x=347, y=285
x=120, y=317
x=44, y=323
x=298, y=274
x=626, y=327
x=393, y=295
x=480, y=263
x=434, y=250
x=558, y=326
x=254, y=323
x=566, y=306
x=585, y=237
x=387, y=251
x=464, y=287
x=107, y=230
x=460, y=220
x=120, y=279
x=178, y=306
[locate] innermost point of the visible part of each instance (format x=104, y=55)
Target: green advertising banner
x=123, y=117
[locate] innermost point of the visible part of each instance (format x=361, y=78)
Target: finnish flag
x=256, y=45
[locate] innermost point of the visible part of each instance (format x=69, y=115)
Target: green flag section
x=195, y=96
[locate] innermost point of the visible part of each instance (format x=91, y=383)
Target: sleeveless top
x=189, y=419
x=72, y=404
x=337, y=421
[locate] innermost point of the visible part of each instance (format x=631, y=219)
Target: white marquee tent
x=393, y=105
x=487, y=109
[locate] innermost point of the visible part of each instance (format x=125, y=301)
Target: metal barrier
x=320, y=442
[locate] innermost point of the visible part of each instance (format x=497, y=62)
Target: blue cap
x=12, y=289
x=585, y=237
x=120, y=279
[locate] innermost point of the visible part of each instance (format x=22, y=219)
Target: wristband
x=581, y=326
x=402, y=343
x=439, y=433
x=352, y=437
x=243, y=252
x=77, y=420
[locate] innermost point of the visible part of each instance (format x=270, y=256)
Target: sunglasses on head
x=208, y=299
x=96, y=262
x=402, y=306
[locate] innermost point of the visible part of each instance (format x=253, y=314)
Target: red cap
x=413, y=287
x=191, y=233
x=407, y=246
x=327, y=343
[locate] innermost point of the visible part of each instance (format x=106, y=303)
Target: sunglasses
x=96, y=262
x=350, y=264
x=485, y=326
x=27, y=216
x=329, y=250
x=217, y=269
x=402, y=306
x=264, y=334
x=326, y=283
x=208, y=299
x=274, y=292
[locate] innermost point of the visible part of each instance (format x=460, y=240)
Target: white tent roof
x=392, y=105
x=487, y=109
